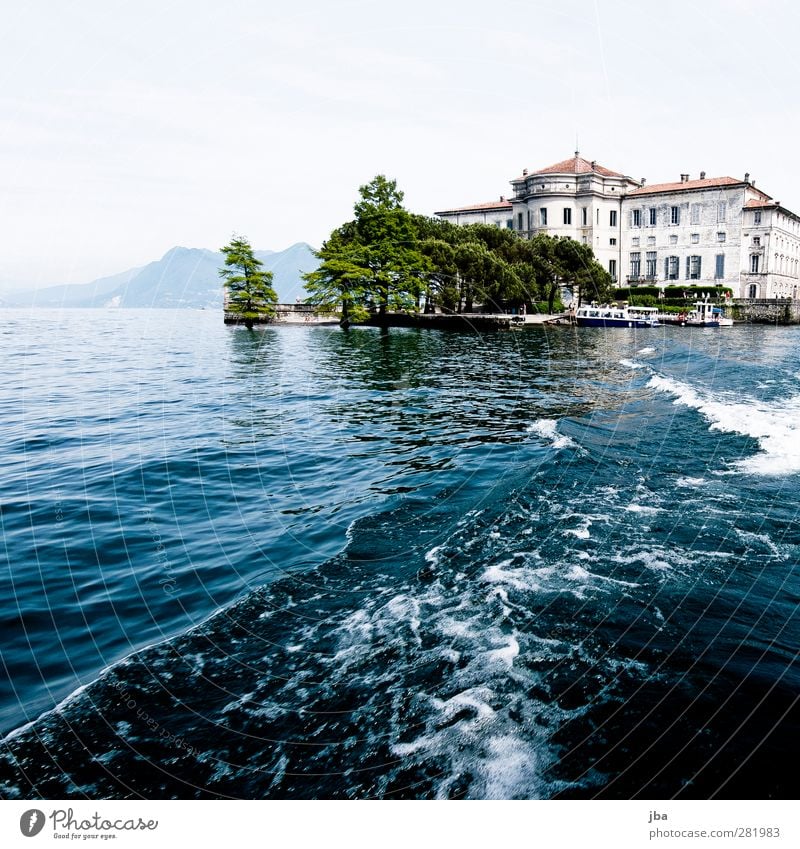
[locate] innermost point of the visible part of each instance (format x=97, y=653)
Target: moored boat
x=706, y=314
x=614, y=316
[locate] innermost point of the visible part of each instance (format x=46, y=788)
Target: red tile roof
x=708, y=183
x=479, y=207
x=760, y=203
x=575, y=165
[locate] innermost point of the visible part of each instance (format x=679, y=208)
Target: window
x=672, y=268
x=636, y=265
x=752, y=290
x=612, y=241
x=756, y=218
x=673, y=240
x=653, y=218
x=635, y=242
x=694, y=212
x=543, y=216
x=756, y=241
x=612, y=218
x=650, y=265
x=754, y=258
x=651, y=240
x=719, y=268
x=510, y=223
x=720, y=237
x=692, y=267
x=695, y=238
x=567, y=215
x=612, y=268
x=519, y=221
x=584, y=216
x=636, y=218
x=722, y=210
x=675, y=215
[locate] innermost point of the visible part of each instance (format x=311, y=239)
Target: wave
x=774, y=424
x=548, y=429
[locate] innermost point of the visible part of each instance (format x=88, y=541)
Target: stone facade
x=498, y=213
x=713, y=231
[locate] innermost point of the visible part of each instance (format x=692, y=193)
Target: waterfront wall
x=765, y=311
x=287, y=314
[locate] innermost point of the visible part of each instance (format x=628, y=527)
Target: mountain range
x=183, y=277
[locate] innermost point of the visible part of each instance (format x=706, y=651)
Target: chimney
x=702, y=175
x=643, y=181
x=747, y=176
x=684, y=178
x=501, y=198
x=594, y=162
x=524, y=172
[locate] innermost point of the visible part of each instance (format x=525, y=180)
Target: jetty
x=304, y=314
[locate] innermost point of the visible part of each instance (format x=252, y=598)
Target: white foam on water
x=432, y=556
x=760, y=541
x=632, y=364
x=646, y=351
x=505, y=655
x=476, y=697
x=581, y=532
x=691, y=482
x=644, y=509
x=775, y=424
x=519, y=579
x=548, y=429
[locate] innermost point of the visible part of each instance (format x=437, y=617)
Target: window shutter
x=688, y=267
x=666, y=268
x=699, y=267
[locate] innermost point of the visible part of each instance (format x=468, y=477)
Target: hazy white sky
x=130, y=127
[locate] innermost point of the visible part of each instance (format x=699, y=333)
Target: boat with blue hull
x=614, y=316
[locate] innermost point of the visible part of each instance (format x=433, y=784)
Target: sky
x=129, y=127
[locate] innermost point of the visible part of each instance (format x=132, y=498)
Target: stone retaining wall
x=773, y=311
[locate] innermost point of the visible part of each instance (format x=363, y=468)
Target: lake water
x=303, y=563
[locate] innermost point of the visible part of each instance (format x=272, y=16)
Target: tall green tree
x=371, y=264
x=341, y=281
x=248, y=287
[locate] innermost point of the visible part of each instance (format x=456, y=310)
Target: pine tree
x=249, y=288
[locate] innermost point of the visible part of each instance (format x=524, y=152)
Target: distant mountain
x=183, y=277
x=75, y=295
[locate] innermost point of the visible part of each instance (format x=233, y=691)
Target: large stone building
x=712, y=230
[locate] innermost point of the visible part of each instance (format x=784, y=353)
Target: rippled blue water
x=306, y=563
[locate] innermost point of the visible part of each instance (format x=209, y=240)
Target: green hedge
x=696, y=293
x=637, y=292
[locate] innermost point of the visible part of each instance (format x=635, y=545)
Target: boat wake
x=774, y=424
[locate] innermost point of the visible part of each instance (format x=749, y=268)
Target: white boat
x=614, y=316
x=705, y=314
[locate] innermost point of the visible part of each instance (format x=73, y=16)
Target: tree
x=249, y=289
x=341, y=282
x=371, y=263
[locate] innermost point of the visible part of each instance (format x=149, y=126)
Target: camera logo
x=31, y=822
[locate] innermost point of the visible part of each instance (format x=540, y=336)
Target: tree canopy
x=388, y=259
x=249, y=288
